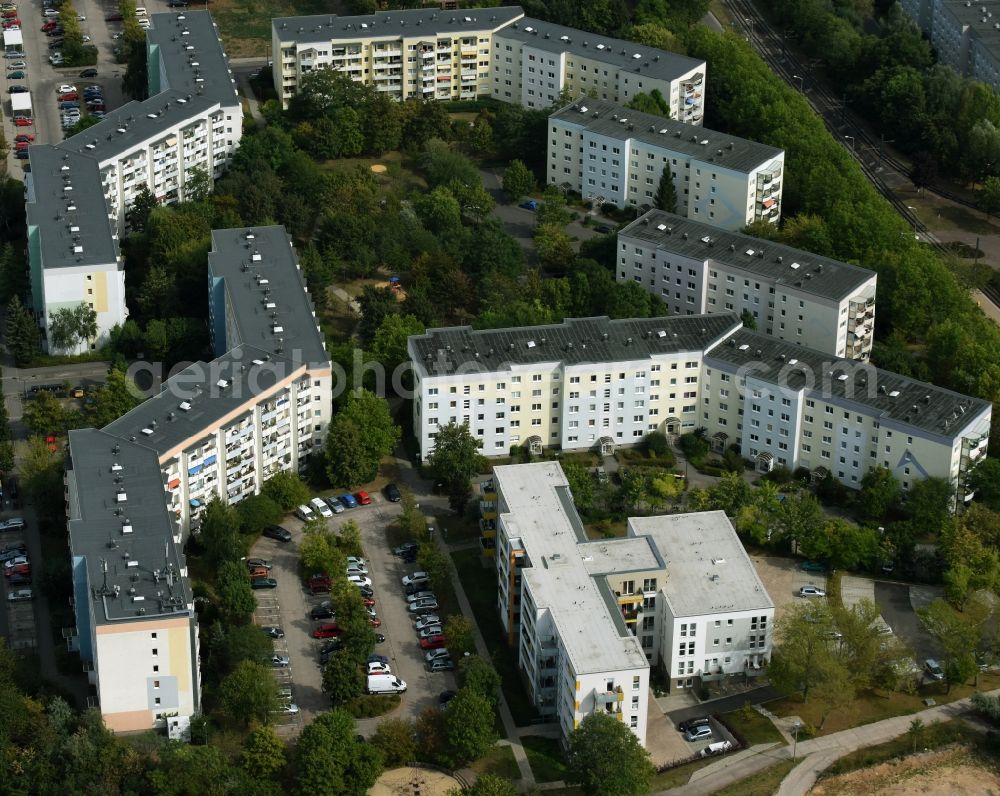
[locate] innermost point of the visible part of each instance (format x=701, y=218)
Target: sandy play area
x=955, y=771
x=409, y=781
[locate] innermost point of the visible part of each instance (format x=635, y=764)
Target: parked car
x=279, y=661
x=88, y=73
x=813, y=566
x=328, y=630
x=445, y=697
x=698, y=721
x=332, y=645
x=363, y=498
x=319, y=505
x=23, y=121
x=16, y=74
x=20, y=595
x=404, y=548
x=441, y=665
x=433, y=655
x=263, y=583
x=348, y=501
x=426, y=621
x=356, y=569
x=258, y=572
x=416, y=577
x=359, y=580
x=23, y=154
x=420, y=595
x=933, y=669
x=17, y=569
x=430, y=631
x=365, y=591
x=529, y=204
x=324, y=610
x=273, y=631
x=319, y=583
x=277, y=532
x=335, y=505
x=422, y=605
x=17, y=89
x=377, y=659
x=304, y=513
x=16, y=561
x=604, y=229
x=811, y=591
x=258, y=562
x=392, y=493
x=10, y=54
x=698, y=733
x=375, y=622
x=18, y=580
x=357, y=561
x=377, y=667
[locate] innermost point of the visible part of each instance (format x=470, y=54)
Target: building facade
x=965, y=35
x=464, y=54
x=408, y=54
x=183, y=135
x=610, y=153
x=597, y=384
x=791, y=294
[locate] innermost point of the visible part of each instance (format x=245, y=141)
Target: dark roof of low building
x=626, y=55
x=122, y=526
x=610, y=119
x=409, y=22
x=268, y=296
x=775, y=262
x=574, y=341
x=891, y=396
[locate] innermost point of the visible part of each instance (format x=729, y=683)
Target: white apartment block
x=590, y=617
x=535, y=61
x=409, y=54
x=136, y=626
x=191, y=123
x=610, y=153
x=596, y=384
x=464, y=54
x=965, y=35
x=582, y=384
x=793, y=295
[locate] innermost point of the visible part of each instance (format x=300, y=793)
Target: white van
x=319, y=505
x=140, y=11
x=385, y=684
x=304, y=513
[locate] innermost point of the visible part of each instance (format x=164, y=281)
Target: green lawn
x=546, y=758
x=245, y=25
x=763, y=783
x=481, y=588
x=675, y=777
x=499, y=761
x=754, y=727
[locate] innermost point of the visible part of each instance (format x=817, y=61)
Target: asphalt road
x=757, y=696
x=893, y=599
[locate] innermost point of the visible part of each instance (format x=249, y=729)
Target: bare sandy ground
x=955, y=771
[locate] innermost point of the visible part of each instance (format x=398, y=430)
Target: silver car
x=426, y=604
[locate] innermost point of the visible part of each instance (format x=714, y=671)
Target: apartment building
x=794, y=406
x=263, y=405
x=581, y=384
x=535, y=61
x=136, y=626
x=421, y=53
x=191, y=125
x=965, y=35
x=791, y=294
x=610, y=153
x=590, y=617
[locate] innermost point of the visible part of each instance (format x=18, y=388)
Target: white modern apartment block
x=534, y=61
x=582, y=384
x=794, y=406
x=191, y=124
x=610, y=153
x=589, y=617
x=595, y=384
x=136, y=626
x=965, y=35
x=792, y=294
x=413, y=53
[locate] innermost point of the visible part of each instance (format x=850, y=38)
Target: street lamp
x=801, y=82
x=851, y=137
x=749, y=21
x=795, y=737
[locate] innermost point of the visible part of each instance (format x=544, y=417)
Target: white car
x=50, y=12
x=353, y=569
x=17, y=65
x=81, y=18
x=427, y=620
x=379, y=668
x=435, y=654
x=355, y=561
x=20, y=595
x=416, y=577
x=144, y=23
x=140, y=11
x=65, y=88
x=359, y=580
x=16, y=562
x=319, y=505
x=431, y=630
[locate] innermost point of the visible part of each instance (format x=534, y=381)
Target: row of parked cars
x=337, y=504
x=423, y=604
x=70, y=98
x=16, y=565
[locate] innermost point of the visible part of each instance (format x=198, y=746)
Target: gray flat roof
x=69, y=209
x=268, y=293
x=248, y=371
x=975, y=17
x=610, y=119
x=595, y=636
x=409, y=22
x=121, y=522
x=574, y=341
x=192, y=55
x=915, y=403
x=810, y=273
x=651, y=62
x=708, y=569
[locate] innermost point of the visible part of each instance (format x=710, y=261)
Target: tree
x=492, y=785
x=21, y=332
x=984, y=480
x=518, y=180
x=928, y=504
x=236, y=598
x=880, y=494
x=118, y=396
x=666, y=193
x=957, y=636
x=72, y=326
x=286, y=489
x=375, y=303
x=397, y=741
x=798, y=516
x=243, y=643
x=249, y=693
x=554, y=246
x=330, y=762
x=258, y=511
x=264, y=755
x=916, y=732
x=218, y=533
x=318, y=548
x=389, y=345
x=460, y=632
x=365, y=427
x=342, y=679
x=45, y=414
x=479, y=675
x=468, y=728
x=454, y=461
x=989, y=196
x=606, y=759
x=801, y=658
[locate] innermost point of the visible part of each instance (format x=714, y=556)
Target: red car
x=328, y=630
x=376, y=622
x=28, y=137
x=319, y=584
x=70, y=97
x=363, y=498
x=23, y=121
x=10, y=12
x=12, y=23
x=433, y=643
x=49, y=26
x=20, y=569
x=96, y=106
x=20, y=146
x=368, y=601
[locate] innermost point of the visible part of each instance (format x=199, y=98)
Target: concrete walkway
x=817, y=754
x=244, y=82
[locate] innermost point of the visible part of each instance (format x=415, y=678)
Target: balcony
x=756, y=667
x=487, y=547
x=615, y=697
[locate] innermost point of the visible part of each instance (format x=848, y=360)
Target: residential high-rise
x=965, y=35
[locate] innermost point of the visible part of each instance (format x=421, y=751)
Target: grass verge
x=763, y=783
x=546, y=758
x=756, y=729
x=480, y=587
x=675, y=777
x=500, y=761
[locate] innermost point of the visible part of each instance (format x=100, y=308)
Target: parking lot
x=19, y=617
x=289, y=605
x=783, y=577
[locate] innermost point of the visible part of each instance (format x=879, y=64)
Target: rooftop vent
x=184, y=406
